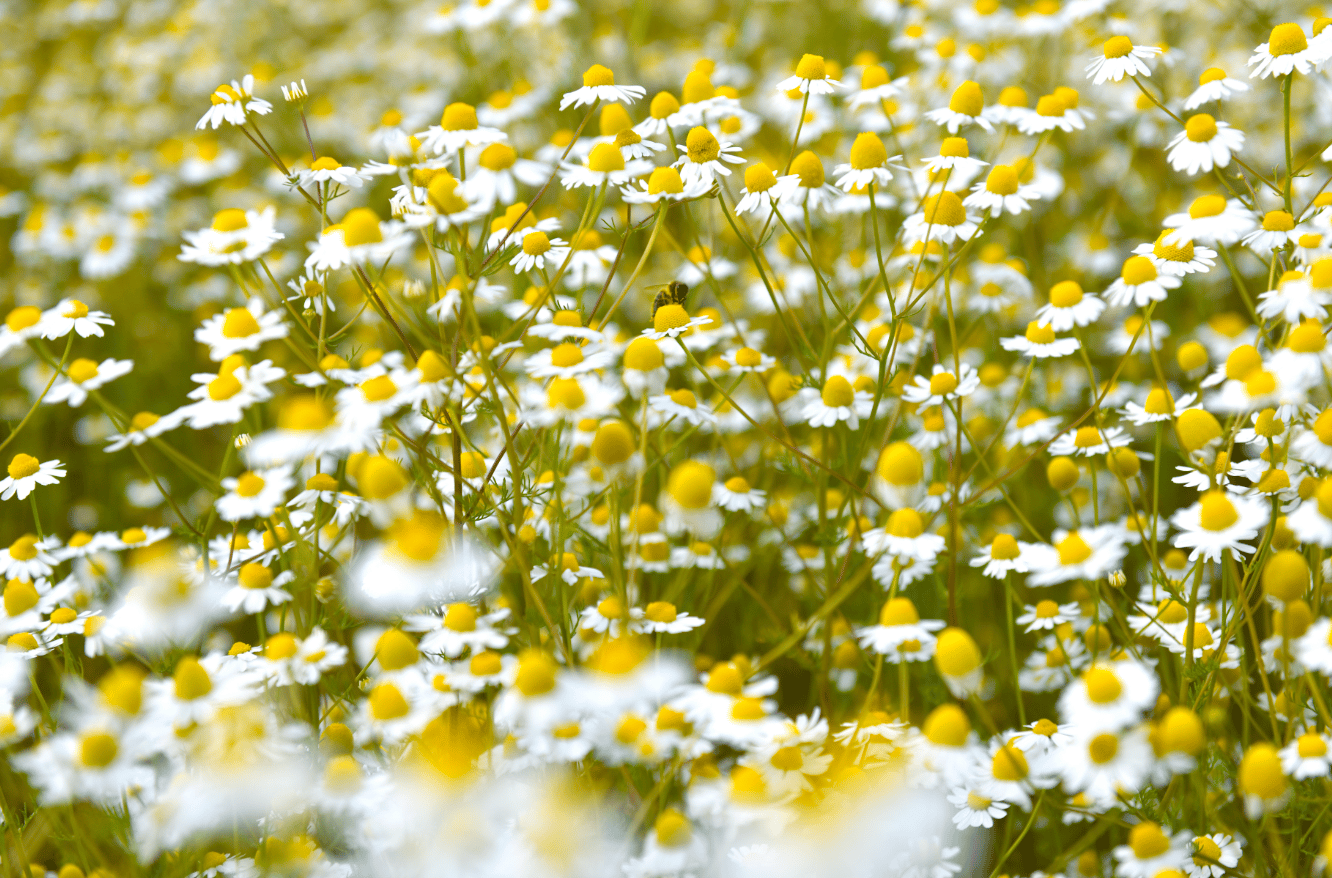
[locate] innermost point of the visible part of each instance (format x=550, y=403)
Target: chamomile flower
x=599, y=85
x=1139, y=284
x=71, y=315
x=1286, y=51
x=763, y=188
x=1120, y=58
x=232, y=103
x=1214, y=86
x=254, y=494
x=83, y=376
x=458, y=128
x=1278, y=229
x=704, y=157
x=836, y=402
x=236, y=236
x=1069, y=306
x=1212, y=219
x=810, y=77
x=1000, y=193
x=257, y=588
x=1213, y=855
x=1046, y=615
x=954, y=158
x=327, y=170
x=942, y=218
x=240, y=329
x=26, y=473
x=665, y=185
x=943, y=385
x=537, y=249
x=965, y=107
x=868, y=164
x=1204, y=144
x=1040, y=342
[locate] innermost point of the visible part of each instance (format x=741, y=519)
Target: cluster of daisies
x=605, y=443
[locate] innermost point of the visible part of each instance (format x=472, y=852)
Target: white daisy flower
x=236, y=236
x=1040, y=342
x=254, y=494
x=458, y=128
x=1276, y=231
x=327, y=169
x=1219, y=521
x=1120, y=58
x=84, y=376
x=256, y=589
x=1069, y=306
x=704, y=157
x=1139, y=284
x=1204, y=144
x=1213, y=85
x=240, y=329
x=1286, y=51
x=810, y=77
x=232, y=102
x=943, y=384
x=599, y=85
x=71, y=315
x=965, y=107
x=26, y=473
x=536, y=250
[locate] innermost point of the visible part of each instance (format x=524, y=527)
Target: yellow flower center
x=1103, y=687
x=604, y=158
x=1148, y=841
x=701, y=146
x=945, y=209
x=668, y=317
x=954, y=147
x=23, y=465
x=684, y=398
x=690, y=484
x=811, y=67
x=597, y=75
x=1287, y=39
x=643, y=354
x=1207, y=205
x=809, y=169
x=1218, y=513
x=1004, y=548
x=82, y=370
x=1002, y=180
x=498, y=157
x=1040, y=333
x=665, y=181
x=837, y=392
x=1138, y=270
x=1073, y=549
x=1103, y=748
x=239, y=323
x=1200, y=128
x=361, y=226
x=535, y=243
x=97, y=749
x=458, y=117
x=1117, y=46
x=1278, y=221
x=967, y=99
x=868, y=151
x=23, y=317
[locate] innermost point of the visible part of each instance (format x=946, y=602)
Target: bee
x=673, y=293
